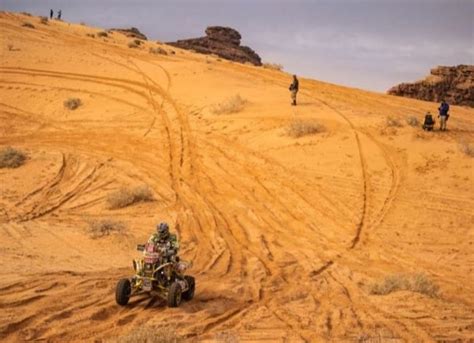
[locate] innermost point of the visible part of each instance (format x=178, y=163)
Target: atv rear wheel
x=189, y=294
x=122, y=292
x=174, y=295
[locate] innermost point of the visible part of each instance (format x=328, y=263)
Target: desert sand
x=287, y=235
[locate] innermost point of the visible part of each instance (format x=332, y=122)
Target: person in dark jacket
x=51, y=14
x=443, y=115
x=59, y=14
x=294, y=87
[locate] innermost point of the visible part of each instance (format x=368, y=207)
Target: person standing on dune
x=443, y=115
x=59, y=14
x=294, y=87
x=51, y=14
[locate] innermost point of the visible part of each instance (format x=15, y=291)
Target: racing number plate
x=147, y=285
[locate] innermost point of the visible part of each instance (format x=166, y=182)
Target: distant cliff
x=455, y=84
x=221, y=41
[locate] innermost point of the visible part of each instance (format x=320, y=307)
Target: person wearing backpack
x=443, y=115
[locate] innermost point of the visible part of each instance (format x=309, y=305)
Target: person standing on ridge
x=294, y=87
x=59, y=15
x=51, y=14
x=443, y=115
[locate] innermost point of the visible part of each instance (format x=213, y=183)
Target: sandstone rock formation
x=222, y=41
x=132, y=32
x=455, y=84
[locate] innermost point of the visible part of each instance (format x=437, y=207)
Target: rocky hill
x=221, y=41
x=132, y=32
x=455, y=84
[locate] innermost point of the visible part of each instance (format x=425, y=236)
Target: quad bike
x=157, y=274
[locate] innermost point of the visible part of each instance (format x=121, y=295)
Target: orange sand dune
x=287, y=235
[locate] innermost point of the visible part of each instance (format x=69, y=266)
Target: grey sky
x=370, y=44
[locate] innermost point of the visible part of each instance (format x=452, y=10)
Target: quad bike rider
x=164, y=239
x=160, y=272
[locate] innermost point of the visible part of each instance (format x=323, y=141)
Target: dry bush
x=90, y=35
x=232, y=105
x=132, y=45
x=137, y=41
x=29, y=25
x=44, y=20
x=11, y=158
x=158, y=51
x=10, y=47
x=102, y=34
x=299, y=128
x=227, y=337
x=72, y=103
x=272, y=66
x=127, y=196
x=151, y=334
x=467, y=148
x=105, y=227
x=82, y=23
x=26, y=13
x=393, y=122
x=419, y=283
x=413, y=121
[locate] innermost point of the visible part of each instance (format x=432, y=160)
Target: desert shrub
x=11, y=158
x=299, y=128
x=151, y=334
x=158, y=51
x=10, y=47
x=29, y=25
x=419, y=283
x=413, y=121
x=231, y=105
x=26, y=13
x=467, y=148
x=137, y=41
x=82, y=23
x=272, y=66
x=72, y=103
x=90, y=35
x=227, y=337
x=102, y=34
x=44, y=20
x=105, y=227
x=393, y=122
x=127, y=196
x=132, y=45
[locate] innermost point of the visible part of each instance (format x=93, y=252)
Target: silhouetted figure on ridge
x=59, y=15
x=51, y=14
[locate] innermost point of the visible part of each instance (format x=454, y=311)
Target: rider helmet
x=163, y=230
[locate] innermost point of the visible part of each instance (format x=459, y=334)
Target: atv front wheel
x=174, y=295
x=122, y=292
x=189, y=294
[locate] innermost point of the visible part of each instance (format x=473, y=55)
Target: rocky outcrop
x=221, y=41
x=455, y=84
x=132, y=32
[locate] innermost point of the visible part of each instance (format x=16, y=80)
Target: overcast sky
x=370, y=44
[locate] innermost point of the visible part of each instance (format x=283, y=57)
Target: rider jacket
x=171, y=244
